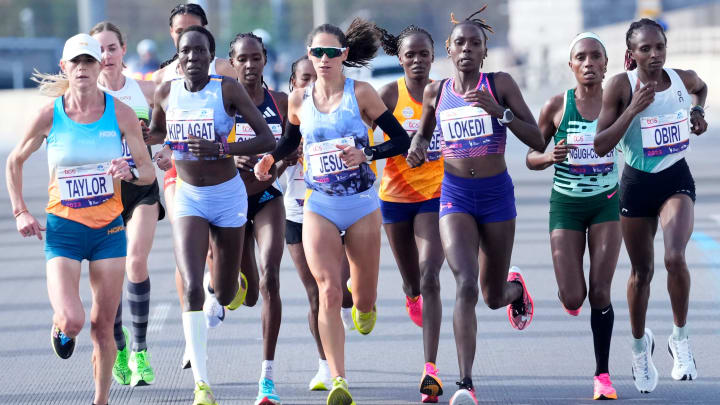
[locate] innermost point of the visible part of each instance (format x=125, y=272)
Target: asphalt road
x=549, y=363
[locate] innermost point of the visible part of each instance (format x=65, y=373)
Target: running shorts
x=394, y=212
x=342, y=211
x=257, y=201
x=223, y=205
x=134, y=195
x=67, y=238
x=642, y=194
x=578, y=213
x=293, y=232
x=488, y=199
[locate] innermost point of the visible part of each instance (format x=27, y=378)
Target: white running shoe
x=346, y=315
x=644, y=372
x=683, y=361
x=214, y=312
x=321, y=382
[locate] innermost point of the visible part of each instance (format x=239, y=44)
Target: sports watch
x=507, y=117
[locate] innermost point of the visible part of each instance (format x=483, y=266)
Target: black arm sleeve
x=288, y=142
x=399, y=141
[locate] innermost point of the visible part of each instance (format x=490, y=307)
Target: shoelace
x=464, y=386
x=141, y=360
x=267, y=385
x=682, y=350
x=641, y=361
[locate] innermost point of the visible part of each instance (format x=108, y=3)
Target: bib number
x=466, y=127
x=325, y=162
x=244, y=132
x=181, y=124
x=85, y=186
x=434, y=151
x=584, y=160
x=665, y=134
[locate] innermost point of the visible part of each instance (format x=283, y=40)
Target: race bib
x=466, y=127
x=583, y=159
x=85, y=186
x=181, y=124
x=244, y=132
x=434, y=151
x=325, y=163
x=665, y=134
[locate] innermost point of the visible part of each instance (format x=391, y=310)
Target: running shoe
x=348, y=284
x=644, y=372
x=364, y=322
x=340, y=394
x=214, y=312
x=266, y=393
x=430, y=384
x=347, y=319
x=240, y=295
x=121, y=372
x=142, y=373
x=602, y=387
x=414, y=309
x=203, y=394
x=322, y=380
x=61, y=343
x=521, y=311
x=465, y=395
x=684, y=367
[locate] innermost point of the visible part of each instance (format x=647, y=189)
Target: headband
x=584, y=35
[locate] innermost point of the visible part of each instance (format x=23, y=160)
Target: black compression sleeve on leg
x=601, y=323
x=288, y=142
x=399, y=141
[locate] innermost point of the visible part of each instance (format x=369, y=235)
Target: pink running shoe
x=430, y=384
x=464, y=396
x=520, y=313
x=428, y=399
x=603, y=387
x=414, y=309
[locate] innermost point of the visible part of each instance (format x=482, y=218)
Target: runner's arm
x=291, y=135
x=264, y=140
x=130, y=128
x=373, y=107
x=542, y=159
x=417, y=153
x=157, y=132
x=524, y=125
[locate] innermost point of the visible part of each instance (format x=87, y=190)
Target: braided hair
x=293, y=68
x=471, y=19
x=391, y=43
x=630, y=63
x=239, y=37
x=185, y=9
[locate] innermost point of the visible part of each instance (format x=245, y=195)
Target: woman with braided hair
x=410, y=199
x=473, y=110
x=649, y=113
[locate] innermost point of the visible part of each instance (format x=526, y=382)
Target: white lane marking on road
x=158, y=316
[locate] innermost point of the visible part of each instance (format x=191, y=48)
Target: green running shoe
x=142, y=373
x=364, y=321
x=203, y=394
x=340, y=395
x=121, y=372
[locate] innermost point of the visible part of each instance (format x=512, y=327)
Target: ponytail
x=51, y=85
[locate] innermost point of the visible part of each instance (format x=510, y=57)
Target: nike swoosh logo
x=611, y=195
x=606, y=311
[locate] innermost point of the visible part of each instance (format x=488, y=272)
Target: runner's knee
x=330, y=296
x=270, y=283
x=429, y=284
x=572, y=300
x=675, y=260
x=467, y=289
x=71, y=324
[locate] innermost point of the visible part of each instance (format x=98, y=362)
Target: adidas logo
x=269, y=113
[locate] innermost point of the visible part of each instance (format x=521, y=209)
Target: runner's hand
x=120, y=169
x=483, y=99
x=263, y=167
x=245, y=162
x=642, y=97
x=293, y=158
x=559, y=153
x=351, y=155
x=699, y=125
x=163, y=159
x=202, y=147
x=27, y=225
x=417, y=154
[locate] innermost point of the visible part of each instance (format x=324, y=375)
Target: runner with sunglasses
x=333, y=116
x=141, y=212
x=649, y=112
x=583, y=199
x=196, y=114
x=410, y=200
x=83, y=128
x=473, y=111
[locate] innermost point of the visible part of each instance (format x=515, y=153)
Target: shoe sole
x=685, y=377
x=463, y=400
x=268, y=401
x=429, y=400
x=652, y=351
x=340, y=397
x=521, y=280
x=318, y=387
x=604, y=398
x=430, y=386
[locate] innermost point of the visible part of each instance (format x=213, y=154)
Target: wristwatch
x=134, y=173
x=507, y=117
x=368, y=152
x=699, y=109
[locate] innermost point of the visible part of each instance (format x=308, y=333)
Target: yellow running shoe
x=240, y=295
x=203, y=394
x=364, y=321
x=340, y=395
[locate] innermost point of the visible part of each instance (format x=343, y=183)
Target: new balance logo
x=269, y=113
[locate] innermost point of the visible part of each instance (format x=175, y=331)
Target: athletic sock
x=138, y=295
x=601, y=323
x=117, y=328
x=680, y=332
x=196, y=343
x=267, y=370
x=324, y=366
x=638, y=345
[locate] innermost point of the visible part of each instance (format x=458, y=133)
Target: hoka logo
x=269, y=113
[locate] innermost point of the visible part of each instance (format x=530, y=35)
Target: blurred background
x=530, y=39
